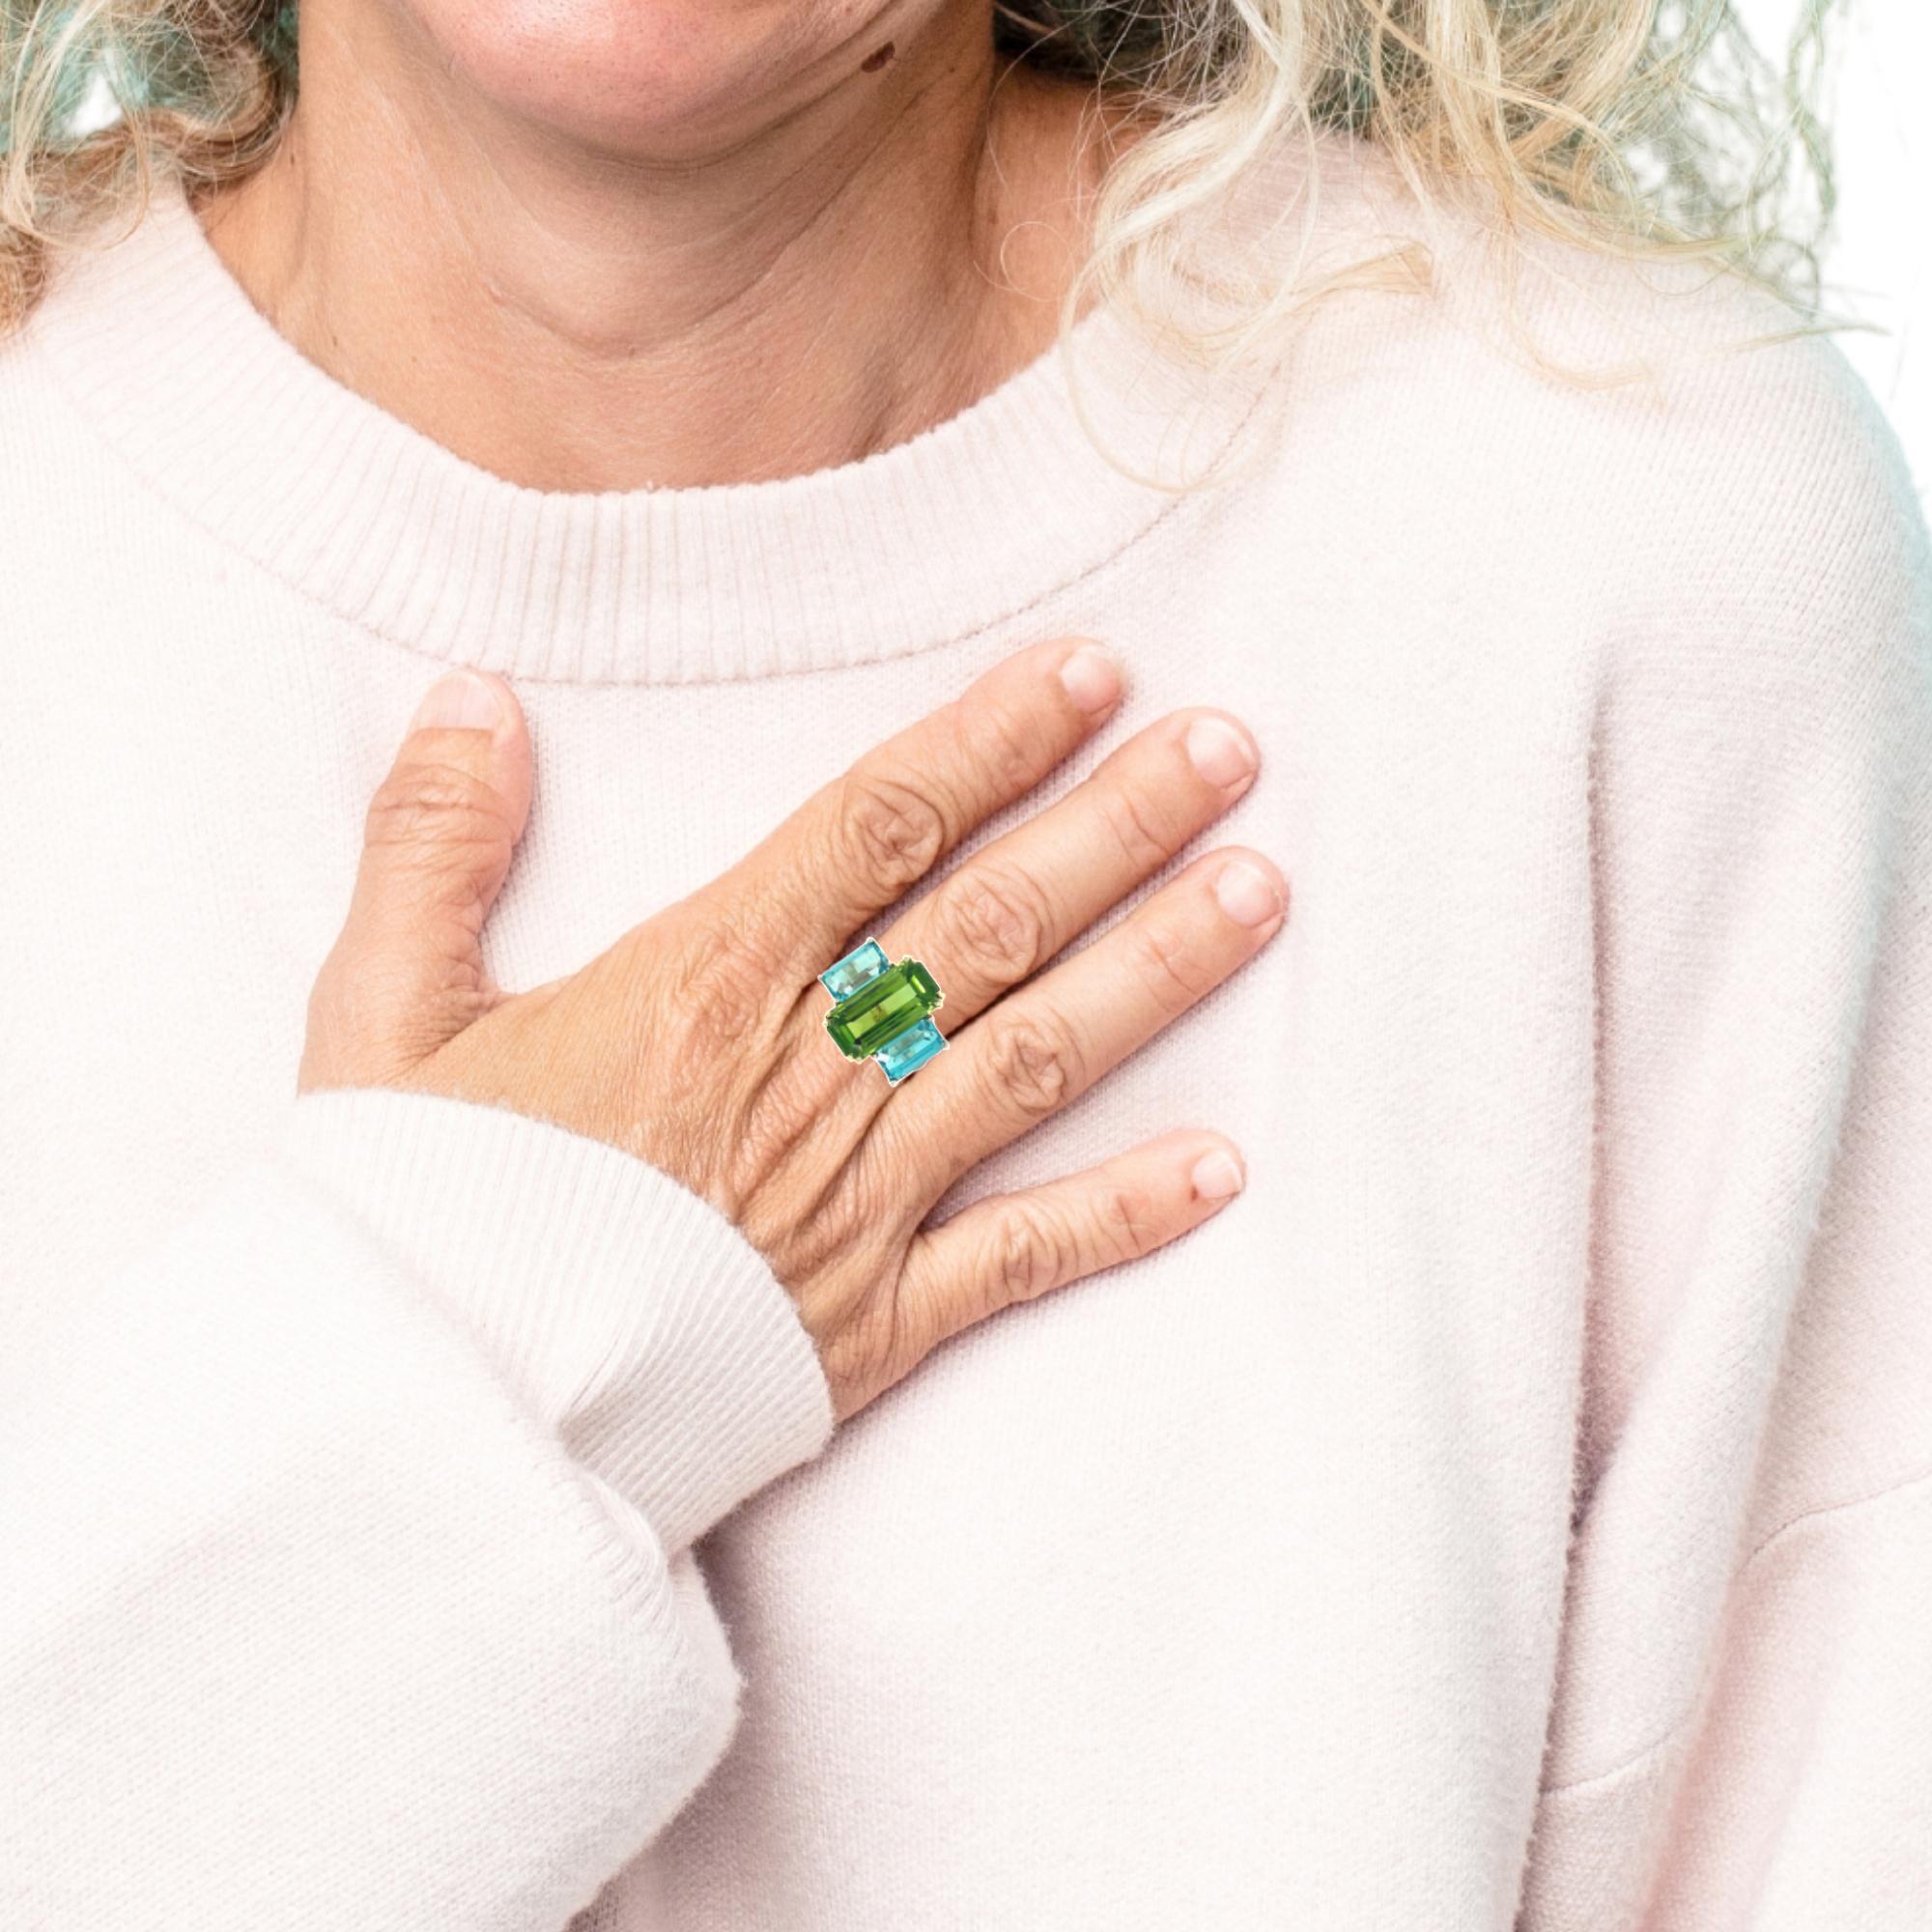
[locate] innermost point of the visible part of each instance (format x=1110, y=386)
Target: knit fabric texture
x=1515, y=1511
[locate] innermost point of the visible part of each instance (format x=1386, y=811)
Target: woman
x=603, y=479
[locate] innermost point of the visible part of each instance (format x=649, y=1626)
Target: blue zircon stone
x=853, y=971
x=910, y=1050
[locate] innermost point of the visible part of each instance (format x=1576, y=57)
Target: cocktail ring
x=882, y=1012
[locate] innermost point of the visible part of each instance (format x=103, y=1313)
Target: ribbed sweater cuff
x=626, y=1311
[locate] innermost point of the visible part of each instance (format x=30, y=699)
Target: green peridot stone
x=883, y=1008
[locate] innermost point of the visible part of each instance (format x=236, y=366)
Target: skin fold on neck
x=812, y=244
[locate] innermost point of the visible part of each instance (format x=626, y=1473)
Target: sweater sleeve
x=347, y=1579
x=1742, y=1728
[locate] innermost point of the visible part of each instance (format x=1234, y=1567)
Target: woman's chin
x=667, y=79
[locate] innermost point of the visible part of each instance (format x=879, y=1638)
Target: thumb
x=408, y=975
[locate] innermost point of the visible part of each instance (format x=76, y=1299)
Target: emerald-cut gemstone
x=885, y=1006
x=852, y=972
x=910, y=1050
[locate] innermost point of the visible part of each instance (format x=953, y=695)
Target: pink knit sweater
x=1514, y=1510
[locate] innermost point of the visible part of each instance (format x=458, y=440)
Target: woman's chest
x=194, y=827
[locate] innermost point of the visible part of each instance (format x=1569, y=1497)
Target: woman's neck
x=760, y=300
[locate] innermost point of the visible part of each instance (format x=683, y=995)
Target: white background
x=1878, y=265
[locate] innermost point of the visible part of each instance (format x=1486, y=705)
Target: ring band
x=882, y=1012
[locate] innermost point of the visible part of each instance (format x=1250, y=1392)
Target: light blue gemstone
x=910, y=1051
x=852, y=972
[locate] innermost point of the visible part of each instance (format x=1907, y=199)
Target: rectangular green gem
x=882, y=1009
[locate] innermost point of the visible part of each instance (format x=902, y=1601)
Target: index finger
x=861, y=841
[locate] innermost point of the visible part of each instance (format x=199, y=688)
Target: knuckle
x=1125, y=1222
x=895, y=830
x=1008, y=756
x=1171, y=969
x=1031, y=1253
x=440, y=802
x=438, y=819
x=992, y=922
x=1137, y=829
x=1033, y=1065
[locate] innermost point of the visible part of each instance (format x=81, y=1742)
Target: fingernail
x=459, y=698
x=1248, y=894
x=1091, y=678
x=1220, y=754
x=1217, y=1175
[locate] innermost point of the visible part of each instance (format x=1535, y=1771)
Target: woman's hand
x=697, y=1041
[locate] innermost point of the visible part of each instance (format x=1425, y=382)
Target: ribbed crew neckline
x=921, y=544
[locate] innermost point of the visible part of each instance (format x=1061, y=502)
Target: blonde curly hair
x=1650, y=129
